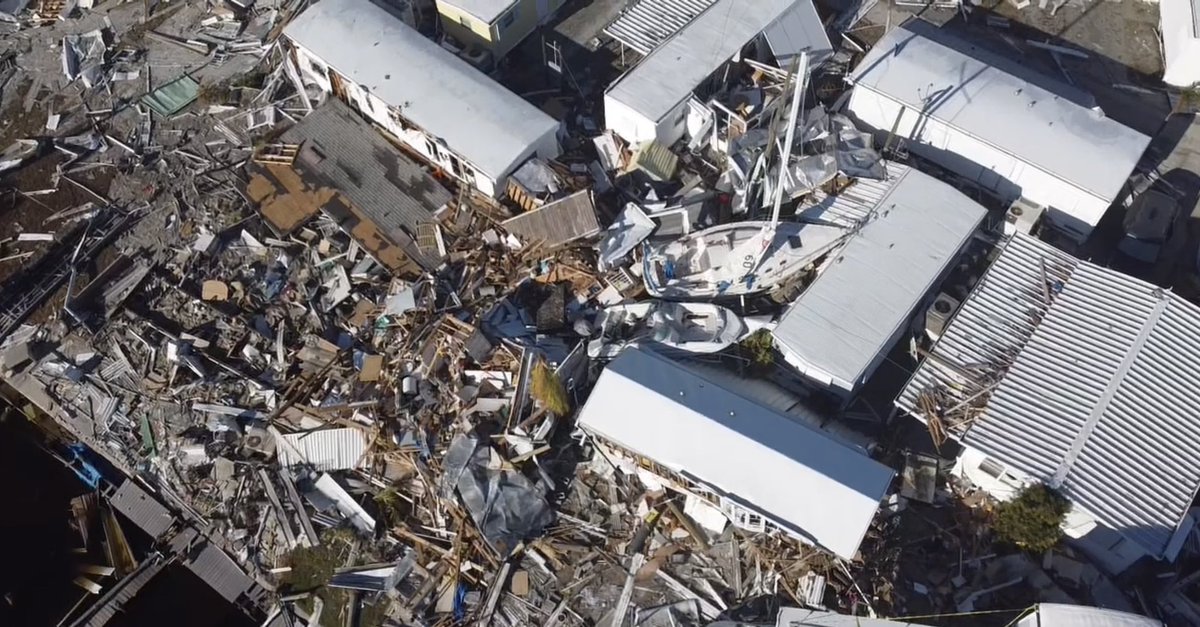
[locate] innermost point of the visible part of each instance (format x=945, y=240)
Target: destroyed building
x=665, y=96
x=335, y=163
x=1049, y=372
x=997, y=123
x=435, y=104
x=356, y=335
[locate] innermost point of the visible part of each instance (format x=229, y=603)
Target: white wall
x=621, y=119
x=1074, y=209
x=1181, y=47
x=635, y=128
x=314, y=70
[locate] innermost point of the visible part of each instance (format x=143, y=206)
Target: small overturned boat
x=684, y=327
x=737, y=259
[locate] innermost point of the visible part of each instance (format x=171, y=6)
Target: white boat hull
x=671, y=326
x=718, y=262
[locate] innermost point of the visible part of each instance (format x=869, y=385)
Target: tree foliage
x=1032, y=520
x=759, y=348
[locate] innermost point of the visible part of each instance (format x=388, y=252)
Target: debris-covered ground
x=390, y=440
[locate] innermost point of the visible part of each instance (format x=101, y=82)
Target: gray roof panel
x=848, y=316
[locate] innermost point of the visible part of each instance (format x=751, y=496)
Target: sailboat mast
x=789, y=136
x=765, y=237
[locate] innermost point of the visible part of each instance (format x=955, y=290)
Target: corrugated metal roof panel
x=647, y=23
x=142, y=509
x=326, y=449
x=220, y=572
x=1096, y=393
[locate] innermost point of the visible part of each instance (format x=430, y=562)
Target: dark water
x=36, y=540
x=37, y=562
x=178, y=598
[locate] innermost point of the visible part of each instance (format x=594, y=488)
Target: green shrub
x=1032, y=519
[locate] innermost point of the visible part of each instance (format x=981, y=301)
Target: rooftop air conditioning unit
x=1022, y=217
x=938, y=315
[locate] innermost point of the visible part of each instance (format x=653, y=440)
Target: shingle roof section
x=1095, y=391
x=394, y=191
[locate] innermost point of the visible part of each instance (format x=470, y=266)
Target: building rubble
x=362, y=378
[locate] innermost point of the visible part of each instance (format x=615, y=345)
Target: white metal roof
x=1179, y=21
x=848, y=316
x=1038, y=120
x=669, y=74
x=1059, y=615
x=486, y=11
x=478, y=118
x=798, y=30
x=325, y=449
x=644, y=24
x=801, y=617
x=1097, y=392
x=815, y=488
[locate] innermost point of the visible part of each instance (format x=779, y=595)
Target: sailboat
x=742, y=258
x=673, y=326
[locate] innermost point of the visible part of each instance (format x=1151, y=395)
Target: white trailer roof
x=479, y=119
x=1061, y=615
x=812, y=486
x=673, y=70
x=1040, y=121
x=847, y=317
x=1179, y=21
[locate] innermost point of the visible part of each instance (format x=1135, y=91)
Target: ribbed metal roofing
x=220, y=572
x=327, y=449
x=141, y=509
x=647, y=23
x=1096, y=392
x=853, y=205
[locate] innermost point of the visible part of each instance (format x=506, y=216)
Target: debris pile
x=357, y=374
